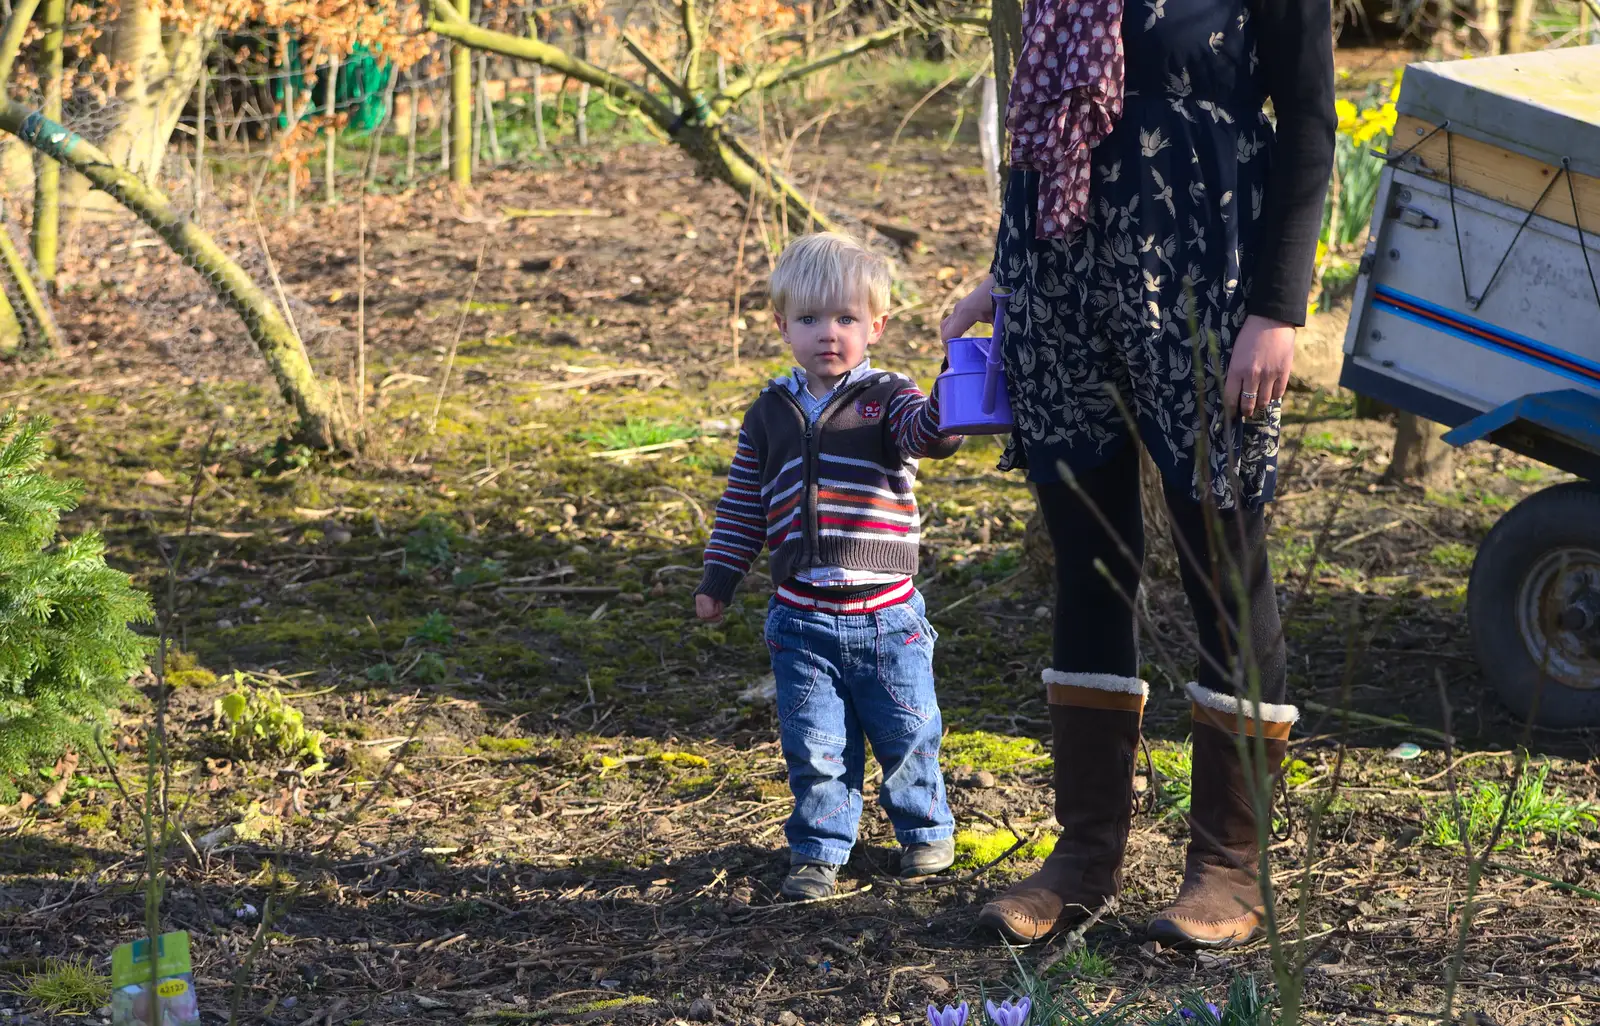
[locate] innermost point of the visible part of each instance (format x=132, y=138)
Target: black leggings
x=1095, y=630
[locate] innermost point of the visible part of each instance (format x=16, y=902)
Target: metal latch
x=1417, y=218
x=1365, y=267
x=1416, y=165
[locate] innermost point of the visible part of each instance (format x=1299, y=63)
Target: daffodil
x=1374, y=121
x=1349, y=117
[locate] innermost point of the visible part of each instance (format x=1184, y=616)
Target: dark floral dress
x=1106, y=327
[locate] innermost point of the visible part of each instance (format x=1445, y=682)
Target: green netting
x=359, y=91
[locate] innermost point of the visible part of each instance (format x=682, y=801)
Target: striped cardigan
x=835, y=494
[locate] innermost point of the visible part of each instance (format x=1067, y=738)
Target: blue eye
x=847, y=319
x=808, y=319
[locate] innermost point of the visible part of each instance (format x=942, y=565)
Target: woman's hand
x=1258, y=372
x=976, y=306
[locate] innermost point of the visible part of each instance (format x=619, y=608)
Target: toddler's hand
x=707, y=608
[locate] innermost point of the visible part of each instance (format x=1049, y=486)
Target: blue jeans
x=844, y=680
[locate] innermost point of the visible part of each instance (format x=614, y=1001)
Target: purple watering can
x=972, y=392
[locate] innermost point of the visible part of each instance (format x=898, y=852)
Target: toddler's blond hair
x=829, y=270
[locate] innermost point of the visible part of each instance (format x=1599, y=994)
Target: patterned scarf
x=1067, y=96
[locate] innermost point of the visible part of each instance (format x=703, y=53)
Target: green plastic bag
x=130, y=981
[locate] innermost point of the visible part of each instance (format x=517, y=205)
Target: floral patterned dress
x=1104, y=330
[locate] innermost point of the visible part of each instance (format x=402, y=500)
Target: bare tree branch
x=694, y=35
x=448, y=23
x=799, y=67
x=11, y=38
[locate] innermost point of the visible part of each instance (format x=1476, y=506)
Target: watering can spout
x=991, y=381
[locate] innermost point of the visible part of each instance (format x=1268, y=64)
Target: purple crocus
x=1011, y=1012
x=1188, y=1016
x=956, y=1016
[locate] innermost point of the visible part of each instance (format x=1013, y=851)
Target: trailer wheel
x=1533, y=605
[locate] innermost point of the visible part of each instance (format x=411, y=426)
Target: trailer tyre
x=1533, y=605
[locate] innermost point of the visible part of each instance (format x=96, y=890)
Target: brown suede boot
x=1220, y=904
x=1094, y=723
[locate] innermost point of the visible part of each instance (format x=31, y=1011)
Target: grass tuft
x=1174, y=765
x=68, y=986
x=1085, y=963
x=1246, y=1005
x=637, y=431
x=1535, y=809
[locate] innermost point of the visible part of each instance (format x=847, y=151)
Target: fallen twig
x=565, y=589
x=455, y=341
x=1559, y=884
x=1073, y=938
x=612, y=454
x=963, y=600
x=515, y=213
x=603, y=377
x=888, y=987
x=1364, y=535
x=1380, y=721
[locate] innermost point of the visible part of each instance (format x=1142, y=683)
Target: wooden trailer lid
x=1544, y=104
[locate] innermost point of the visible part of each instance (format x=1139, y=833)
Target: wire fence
x=233, y=160
x=237, y=170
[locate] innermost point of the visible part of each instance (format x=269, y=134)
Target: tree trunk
x=411, y=127
x=160, y=75
x=330, y=163
x=1368, y=408
x=1421, y=456
x=202, y=93
x=25, y=295
x=10, y=328
x=47, y=184
x=461, y=108
x=1519, y=28
x=1005, y=36
x=1489, y=28
x=538, y=90
x=320, y=423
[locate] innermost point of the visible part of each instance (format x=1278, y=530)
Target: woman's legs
x=1095, y=698
x=1239, y=538
x=1222, y=556
x=1094, y=622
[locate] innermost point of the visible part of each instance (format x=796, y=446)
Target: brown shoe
x=1094, y=725
x=1220, y=904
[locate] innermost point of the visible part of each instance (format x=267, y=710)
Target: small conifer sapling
x=67, y=649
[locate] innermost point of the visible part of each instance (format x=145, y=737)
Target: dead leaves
x=65, y=768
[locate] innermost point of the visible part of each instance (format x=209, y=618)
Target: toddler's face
x=829, y=343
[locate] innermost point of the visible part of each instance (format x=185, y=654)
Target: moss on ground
x=980, y=847
x=997, y=753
